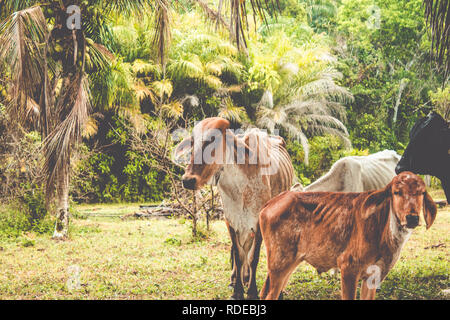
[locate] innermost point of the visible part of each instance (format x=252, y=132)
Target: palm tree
x=48, y=76
x=301, y=94
x=437, y=13
x=48, y=80
x=316, y=109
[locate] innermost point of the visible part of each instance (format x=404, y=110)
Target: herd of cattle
x=356, y=217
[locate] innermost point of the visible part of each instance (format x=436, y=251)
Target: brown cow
x=360, y=233
x=249, y=170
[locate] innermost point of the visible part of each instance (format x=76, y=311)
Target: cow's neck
x=395, y=236
x=233, y=179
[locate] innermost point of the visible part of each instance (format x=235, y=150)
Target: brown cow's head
x=208, y=146
x=407, y=196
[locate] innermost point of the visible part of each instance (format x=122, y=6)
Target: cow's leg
x=446, y=186
x=252, y=293
x=233, y=253
x=238, y=292
x=272, y=286
x=349, y=281
x=237, y=263
x=275, y=282
x=366, y=292
x=280, y=266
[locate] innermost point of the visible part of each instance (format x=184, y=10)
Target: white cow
x=357, y=173
x=248, y=170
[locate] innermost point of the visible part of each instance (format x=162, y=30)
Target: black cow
x=428, y=151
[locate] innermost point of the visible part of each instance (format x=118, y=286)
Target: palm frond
x=124, y=6
x=270, y=118
x=324, y=88
x=296, y=132
x=162, y=26
x=173, y=110
x=137, y=119
x=142, y=92
x=163, y=88
x=91, y=128
x=57, y=147
x=212, y=14
x=145, y=68
x=302, y=108
x=186, y=67
x=437, y=13
x=7, y=7
x=318, y=123
x=21, y=35
x=212, y=81
x=97, y=56
x=231, y=112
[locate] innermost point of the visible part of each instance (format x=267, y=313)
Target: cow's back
x=358, y=173
x=282, y=180
x=378, y=169
x=281, y=171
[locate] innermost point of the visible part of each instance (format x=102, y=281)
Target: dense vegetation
x=334, y=77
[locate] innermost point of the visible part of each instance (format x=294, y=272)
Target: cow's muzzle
x=189, y=183
x=412, y=221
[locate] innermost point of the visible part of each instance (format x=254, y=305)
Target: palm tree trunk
x=402, y=87
x=62, y=214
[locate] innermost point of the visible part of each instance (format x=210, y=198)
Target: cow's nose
x=189, y=183
x=412, y=221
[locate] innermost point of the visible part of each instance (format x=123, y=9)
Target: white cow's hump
x=359, y=173
x=385, y=155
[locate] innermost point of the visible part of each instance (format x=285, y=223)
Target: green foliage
x=360, y=70
x=441, y=101
x=118, y=174
x=21, y=217
x=324, y=151
x=293, y=8
x=370, y=134
x=384, y=50
x=173, y=241
x=33, y=202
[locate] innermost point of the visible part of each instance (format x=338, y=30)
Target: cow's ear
x=182, y=149
x=376, y=201
x=429, y=210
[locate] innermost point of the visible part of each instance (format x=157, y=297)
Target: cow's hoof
x=252, y=297
x=281, y=296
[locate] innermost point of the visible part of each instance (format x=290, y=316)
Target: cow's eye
x=397, y=193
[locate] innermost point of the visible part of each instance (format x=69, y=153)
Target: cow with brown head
x=248, y=169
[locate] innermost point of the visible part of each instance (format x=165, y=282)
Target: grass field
x=110, y=258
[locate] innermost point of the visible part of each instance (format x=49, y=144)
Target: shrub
x=324, y=151
x=122, y=177
x=369, y=133
x=26, y=213
x=15, y=219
